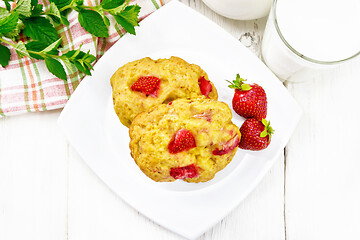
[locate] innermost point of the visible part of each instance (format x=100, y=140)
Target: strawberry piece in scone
x=149, y=85
x=182, y=140
x=205, y=86
x=228, y=146
x=189, y=171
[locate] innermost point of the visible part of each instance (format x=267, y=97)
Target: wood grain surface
x=312, y=192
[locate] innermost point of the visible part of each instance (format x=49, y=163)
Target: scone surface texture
x=208, y=121
x=177, y=79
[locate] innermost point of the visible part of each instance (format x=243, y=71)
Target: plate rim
x=259, y=177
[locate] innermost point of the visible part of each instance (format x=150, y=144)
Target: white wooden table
x=312, y=192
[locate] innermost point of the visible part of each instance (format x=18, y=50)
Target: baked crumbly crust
x=208, y=120
x=179, y=79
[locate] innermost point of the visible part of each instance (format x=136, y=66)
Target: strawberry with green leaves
x=249, y=100
x=255, y=134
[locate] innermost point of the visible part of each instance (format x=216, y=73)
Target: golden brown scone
x=190, y=139
x=175, y=79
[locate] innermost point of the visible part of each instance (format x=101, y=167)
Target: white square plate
x=92, y=127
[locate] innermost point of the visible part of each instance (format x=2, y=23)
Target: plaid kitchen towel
x=27, y=86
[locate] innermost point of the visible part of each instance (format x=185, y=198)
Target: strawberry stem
x=268, y=129
x=238, y=83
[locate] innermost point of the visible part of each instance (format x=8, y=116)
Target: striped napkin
x=27, y=86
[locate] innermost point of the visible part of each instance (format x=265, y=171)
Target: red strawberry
x=255, y=134
x=181, y=141
x=205, y=86
x=149, y=85
x=228, y=146
x=189, y=171
x=249, y=101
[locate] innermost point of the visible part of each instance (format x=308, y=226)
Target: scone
x=145, y=83
x=189, y=139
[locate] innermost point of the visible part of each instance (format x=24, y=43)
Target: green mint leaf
x=128, y=18
x=7, y=4
x=125, y=24
x=81, y=60
x=69, y=66
x=111, y=4
x=64, y=20
x=21, y=49
x=82, y=68
x=4, y=55
x=37, y=10
x=88, y=58
x=55, y=19
x=106, y=20
x=19, y=26
x=14, y=33
x=40, y=29
x=61, y=3
x=79, y=2
x=92, y=22
x=56, y=68
x=23, y=7
x=40, y=46
x=54, y=11
x=9, y=23
x=36, y=46
x=131, y=13
x=34, y=2
x=52, y=46
x=4, y=13
x=72, y=54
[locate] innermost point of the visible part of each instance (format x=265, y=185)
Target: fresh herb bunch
x=30, y=18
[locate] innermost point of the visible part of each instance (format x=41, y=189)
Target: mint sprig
x=30, y=18
x=80, y=60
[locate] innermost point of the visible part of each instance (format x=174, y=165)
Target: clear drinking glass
x=282, y=57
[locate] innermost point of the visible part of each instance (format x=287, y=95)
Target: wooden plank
x=33, y=170
x=322, y=177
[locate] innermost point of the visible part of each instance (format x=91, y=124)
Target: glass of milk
x=240, y=9
x=304, y=36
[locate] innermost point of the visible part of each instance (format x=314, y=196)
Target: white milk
x=322, y=30
x=240, y=9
